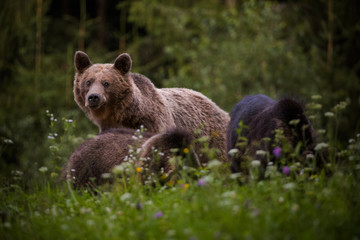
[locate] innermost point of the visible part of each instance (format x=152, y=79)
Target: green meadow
x=223, y=49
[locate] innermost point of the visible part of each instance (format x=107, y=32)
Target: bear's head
x=99, y=87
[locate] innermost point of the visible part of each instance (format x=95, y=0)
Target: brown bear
x=261, y=117
x=112, y=147
x=112, y=97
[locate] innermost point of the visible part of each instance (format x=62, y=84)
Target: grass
x=320, y=208
x=211, y=205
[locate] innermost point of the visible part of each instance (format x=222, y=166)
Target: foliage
x=224, y=49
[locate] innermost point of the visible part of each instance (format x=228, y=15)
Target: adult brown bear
x=112, y=97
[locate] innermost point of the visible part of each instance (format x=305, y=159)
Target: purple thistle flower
x=277, y=152
x=158, y=215
x=286, y=170
x=201, y=182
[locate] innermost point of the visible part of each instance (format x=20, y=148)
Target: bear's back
x=192, y=109
x=246, y=111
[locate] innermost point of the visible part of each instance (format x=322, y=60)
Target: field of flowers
x=207, y=203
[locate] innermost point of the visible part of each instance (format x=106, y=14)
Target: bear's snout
x=94, y=100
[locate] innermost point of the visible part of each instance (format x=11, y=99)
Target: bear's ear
x=82, y=61
x=123, y=63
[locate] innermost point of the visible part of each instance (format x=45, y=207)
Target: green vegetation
x=224, y=49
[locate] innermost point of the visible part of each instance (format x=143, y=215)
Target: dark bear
x=113, y=97
x=260, y=117
x=111, y=148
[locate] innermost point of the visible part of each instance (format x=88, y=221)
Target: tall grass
x=203, y=203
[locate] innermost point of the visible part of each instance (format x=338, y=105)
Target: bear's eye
x=88, y=83
x=106, y=84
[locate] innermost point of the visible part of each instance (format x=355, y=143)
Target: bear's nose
x=94, y=98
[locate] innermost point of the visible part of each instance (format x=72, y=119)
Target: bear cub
x=110, y=148
x=261, y=117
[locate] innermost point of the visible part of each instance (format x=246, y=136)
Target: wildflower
x=255, y=163
x=8, y=141
x=158, y=215
x=233, y=151
x=321, y=146
x=139, y=169
x=139, y=206
x=286, y=170
x=125, y=196
x=277, y=152
x=43, y=169
x=261, y=152
x=201, y=182
x=186, y=150
x=329, y=114
x=321, y=131
x=316, y=97
x=53, y=175
x=289, y=186
x=295, y=207
x=185, y=186
x=17, y=172
x=229, y=194
x=214, y=164
x=106, y=175
x=310, y=156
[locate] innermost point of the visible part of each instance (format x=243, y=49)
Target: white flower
x=106, y=175
x=316, y=97
x=289, y=186
x=233, y=151
x=261, y=152
x=8, y=141
x=214, y=164
x=229, y=194
x=329, y=114
x=43, y=169
x=255, y=163
x=310, y=156
x=321, y=146
x=118, y=169
x=125, y=197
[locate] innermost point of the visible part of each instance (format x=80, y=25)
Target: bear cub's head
x=99, y=86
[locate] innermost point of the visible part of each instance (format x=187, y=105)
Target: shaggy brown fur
x=109, y=149
x=113, y=97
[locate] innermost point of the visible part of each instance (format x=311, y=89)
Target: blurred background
x=225, y=49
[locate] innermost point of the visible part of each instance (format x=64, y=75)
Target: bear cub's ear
x=82, y=61
x=123, y=63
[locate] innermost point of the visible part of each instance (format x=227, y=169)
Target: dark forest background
x=225, y=49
